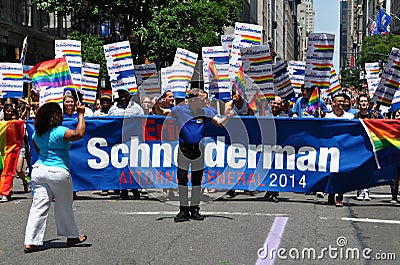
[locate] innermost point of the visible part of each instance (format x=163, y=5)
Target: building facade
x=18, y=19
x=305, y=18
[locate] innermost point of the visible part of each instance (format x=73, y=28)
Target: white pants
x=48, y=182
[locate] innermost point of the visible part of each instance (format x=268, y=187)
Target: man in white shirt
x=125, y=106
x=338, y=113
x=337, y=108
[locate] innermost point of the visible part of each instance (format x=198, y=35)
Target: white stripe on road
x=367, y=220
x=207, y=213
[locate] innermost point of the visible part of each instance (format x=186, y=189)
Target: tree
x=350, y=77
x=155, y=28
x=377, y=47
x=190, y=25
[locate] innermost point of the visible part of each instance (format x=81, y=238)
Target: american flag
x=373, y=28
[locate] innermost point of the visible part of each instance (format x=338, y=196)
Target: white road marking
x=207, y=213
x=365, y=220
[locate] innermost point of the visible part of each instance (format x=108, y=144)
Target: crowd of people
x=349, y=103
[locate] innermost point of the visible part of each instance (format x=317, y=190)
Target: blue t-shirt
x=301, y=108
x=191, y=125
x=73, y=115
x=54, y=150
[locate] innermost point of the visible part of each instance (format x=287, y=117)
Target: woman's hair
x=47, y=117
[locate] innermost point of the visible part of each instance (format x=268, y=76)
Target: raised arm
x=158, y=109
x=224, y=120
x=79, y=132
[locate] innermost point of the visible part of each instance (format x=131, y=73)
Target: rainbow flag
x=239, y=82
x=51, y=74
x=385, y=139
x=212, y=70
x=11, y=139
x=313, y=102
x=256, y=103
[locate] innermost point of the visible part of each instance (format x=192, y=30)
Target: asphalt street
x=300, y=229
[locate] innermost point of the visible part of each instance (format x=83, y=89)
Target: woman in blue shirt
x=51, y=177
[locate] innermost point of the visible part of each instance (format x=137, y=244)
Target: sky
x=327, y=20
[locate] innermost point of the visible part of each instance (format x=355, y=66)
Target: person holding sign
x=301, y=108
x=192, y=119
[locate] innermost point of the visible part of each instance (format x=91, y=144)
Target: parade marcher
x=338, y=113
x=240, y=107
x=12, y=114
x=166, y=101
x=276, y=110
x=105, y=105
x=300, y=108
x=192, y=120
x=51, y=177
x=126, y=106
x=69, y=106
x=394, y=188
x=363, y=113
x=146, y=105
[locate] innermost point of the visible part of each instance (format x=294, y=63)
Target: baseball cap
x=123, y=89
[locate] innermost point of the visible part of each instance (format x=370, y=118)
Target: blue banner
x=293, y=155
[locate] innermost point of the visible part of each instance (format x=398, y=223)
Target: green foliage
x=190, y=25
x=92, y=49
x=377, y=47
x=350, y=77
x=155, y=27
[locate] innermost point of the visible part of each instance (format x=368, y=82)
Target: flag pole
x=28, y=115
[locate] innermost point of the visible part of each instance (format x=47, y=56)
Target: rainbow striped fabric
x=51, y=74
x=385, y=137
x=212, y=70
x=11, y=139
x=313, y=102
x=239, y=83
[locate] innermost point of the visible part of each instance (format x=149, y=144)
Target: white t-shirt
x=345, y=115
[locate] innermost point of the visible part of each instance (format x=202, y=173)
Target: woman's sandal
x=31, y=248
x=73, y=241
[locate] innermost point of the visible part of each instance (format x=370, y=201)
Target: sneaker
x=366, y=196
x=393, y=201
x=360, y=195
x=274, y=199
x=182, y=217
x=195, y=215
x=4, y=199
